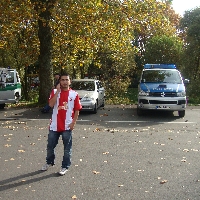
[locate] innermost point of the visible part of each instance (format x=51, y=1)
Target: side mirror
x=186, y=81
x=101, y=89
x=143, y=81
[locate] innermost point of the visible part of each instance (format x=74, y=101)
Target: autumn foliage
x=99, y=37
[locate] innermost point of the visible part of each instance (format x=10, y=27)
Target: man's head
x=56, y=76
x=64, y=81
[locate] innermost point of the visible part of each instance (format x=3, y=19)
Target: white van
x=10, y=86
x=161, y=87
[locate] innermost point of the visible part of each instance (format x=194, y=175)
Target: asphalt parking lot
x=116, y=155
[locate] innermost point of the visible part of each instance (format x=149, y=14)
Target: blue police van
x=161, y=87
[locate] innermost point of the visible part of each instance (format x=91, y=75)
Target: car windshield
x=164, y=76
x=83, y=85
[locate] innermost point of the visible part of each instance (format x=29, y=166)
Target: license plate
x=162, y=107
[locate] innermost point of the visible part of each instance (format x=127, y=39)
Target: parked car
x=91, y=93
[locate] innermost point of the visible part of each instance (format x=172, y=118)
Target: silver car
x=91, y=93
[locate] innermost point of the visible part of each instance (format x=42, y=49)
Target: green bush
x=128, y=97
x=193, y=94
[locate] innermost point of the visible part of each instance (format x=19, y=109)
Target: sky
x=182, y=5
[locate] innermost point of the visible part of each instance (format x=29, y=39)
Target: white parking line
x=151, y=121
x=86, y=120
x=141, y=122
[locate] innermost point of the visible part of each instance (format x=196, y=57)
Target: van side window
x=10, y=77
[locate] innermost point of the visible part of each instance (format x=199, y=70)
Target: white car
x=91, y=93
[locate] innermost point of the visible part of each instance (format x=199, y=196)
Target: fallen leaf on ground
x=97, y=129
x=74, y=197
x=120, y=185
x=194, y=149
x=183, y=160
x=95, y=172
x=21, y=151
x=163, y=181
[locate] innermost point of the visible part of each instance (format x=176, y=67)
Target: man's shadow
x=18, y=180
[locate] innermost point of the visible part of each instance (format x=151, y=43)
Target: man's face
x=65, y=81
x=56, y=77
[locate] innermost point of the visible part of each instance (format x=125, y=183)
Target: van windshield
x=161, y=76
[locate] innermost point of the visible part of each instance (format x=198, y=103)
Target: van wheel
x=2, y=106
x=181, y=113
x=139, y=112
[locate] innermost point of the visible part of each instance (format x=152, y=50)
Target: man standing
x=66, y=105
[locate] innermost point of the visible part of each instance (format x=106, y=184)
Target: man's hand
x=53, y=100
x=71, y=126
x=58, y=88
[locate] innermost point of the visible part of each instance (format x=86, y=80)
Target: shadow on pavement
x=7, y=183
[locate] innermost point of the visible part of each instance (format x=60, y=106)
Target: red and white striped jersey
x=63, y=110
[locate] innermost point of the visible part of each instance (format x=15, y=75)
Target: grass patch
x=193, y=101
x=24, y=104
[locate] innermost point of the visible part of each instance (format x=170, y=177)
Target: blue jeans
x=46, y=108
x=53, y=138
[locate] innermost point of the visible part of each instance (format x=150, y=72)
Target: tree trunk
x=45, y=66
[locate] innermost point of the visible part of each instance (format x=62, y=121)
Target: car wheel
x=103, y=104
x=2, y=106
x=181, y=113
x=95, y=108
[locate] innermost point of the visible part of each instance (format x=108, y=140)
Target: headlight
x=143, y=93
x=181, y=94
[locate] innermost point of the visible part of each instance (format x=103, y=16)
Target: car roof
x=159, y=69
x=85, y=79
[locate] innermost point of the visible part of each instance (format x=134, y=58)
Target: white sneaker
x=63, y=171
x=46, y=167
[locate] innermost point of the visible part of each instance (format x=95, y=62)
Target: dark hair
x=63, y=74
x=56, y=74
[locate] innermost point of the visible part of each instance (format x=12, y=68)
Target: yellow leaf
x=21, y=151
x=74, y=197
x=95, y=172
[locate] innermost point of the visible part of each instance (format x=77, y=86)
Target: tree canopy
x=80, y=36
x=163, y=49
x=190, y=28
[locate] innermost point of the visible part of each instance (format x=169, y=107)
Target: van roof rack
x=159, y=66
